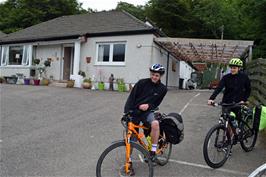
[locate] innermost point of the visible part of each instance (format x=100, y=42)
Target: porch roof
x=205, y=50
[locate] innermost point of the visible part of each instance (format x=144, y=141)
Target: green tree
x=19, y=14
x=171, y=16
x=137, y=11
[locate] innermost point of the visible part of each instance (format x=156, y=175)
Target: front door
x=68, y=62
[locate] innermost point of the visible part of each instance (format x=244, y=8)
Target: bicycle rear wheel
x=165, y=149
x=112, y=161
x=217, y=146
x=248, y=136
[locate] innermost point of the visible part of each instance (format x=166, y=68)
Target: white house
x=98, y=43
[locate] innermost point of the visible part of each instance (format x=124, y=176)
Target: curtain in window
x=100, y=53
x=4, y=55
x=0, y=54
x=27, y=53
x=104, y=53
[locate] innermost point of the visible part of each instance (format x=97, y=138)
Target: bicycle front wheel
x=248, y=135
x=113, y=159
x=217, y=146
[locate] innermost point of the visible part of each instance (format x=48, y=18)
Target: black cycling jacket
x=237, y=88
x=145, y=92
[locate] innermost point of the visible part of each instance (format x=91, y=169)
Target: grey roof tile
x=2, y=35
x=76, y=25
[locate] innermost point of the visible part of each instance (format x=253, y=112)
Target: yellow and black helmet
x=236, y=62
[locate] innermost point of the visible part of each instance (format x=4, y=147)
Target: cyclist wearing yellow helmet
x=236, y=90
x=236, y=84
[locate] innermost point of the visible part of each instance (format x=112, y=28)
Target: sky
x=108, y=4
x=100, y=5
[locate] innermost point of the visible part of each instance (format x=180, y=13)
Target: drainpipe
x=167, y=68
x=250, y=54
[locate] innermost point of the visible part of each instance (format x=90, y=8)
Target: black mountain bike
x=220, y=138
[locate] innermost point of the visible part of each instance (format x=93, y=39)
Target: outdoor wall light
x=139, y=46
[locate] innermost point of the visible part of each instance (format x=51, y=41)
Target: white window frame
x=26, y=58
x=110, y=62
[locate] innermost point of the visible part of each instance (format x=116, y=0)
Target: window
x=15, y=55
x=111, y=53
x=119, y=53
x=104, y=53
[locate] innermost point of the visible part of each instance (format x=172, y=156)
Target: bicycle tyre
x=122, y=144
x=163, y=158
x=243, y=141
x=206, y=143
x=161, y=161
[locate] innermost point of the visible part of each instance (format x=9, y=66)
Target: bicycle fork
x=128, y=153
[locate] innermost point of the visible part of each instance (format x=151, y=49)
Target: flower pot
x=26, y=81
x=70, y=83
x=120, y=87
x=11, y=80
x=100, y=86
x=45, y=82
x=36, y=81
x=86, y=85
x=1, y=80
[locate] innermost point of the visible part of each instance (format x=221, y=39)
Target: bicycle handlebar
x=231, y=105
x=130, y=112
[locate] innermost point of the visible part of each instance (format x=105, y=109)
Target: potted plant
x=36, y=81
x=87, y=83
x=26, y=81
x=36, y=61
x=70, y=83
x=1, y=80
x=11, y=80
x=101, y=85
x=121, y=85
x=40, y=76
x=82, y=73
x=45, y=81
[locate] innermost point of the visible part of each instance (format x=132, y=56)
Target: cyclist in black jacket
x=146, y=95
x=236, y=88
x=236, y=84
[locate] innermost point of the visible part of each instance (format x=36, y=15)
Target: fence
x=257, y=74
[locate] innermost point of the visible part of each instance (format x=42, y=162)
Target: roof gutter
x=149, y=31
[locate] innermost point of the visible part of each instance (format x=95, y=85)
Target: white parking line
x=200, y=105
x=207, y=167
x=185, y=107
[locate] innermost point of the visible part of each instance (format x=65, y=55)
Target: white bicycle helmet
x=157, y=68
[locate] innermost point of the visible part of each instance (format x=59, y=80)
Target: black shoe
x=153, y=158
x=132, y=172
x=235, y=139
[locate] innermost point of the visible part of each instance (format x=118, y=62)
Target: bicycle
x=131, y=153
x=222, y=138
x=259, y=172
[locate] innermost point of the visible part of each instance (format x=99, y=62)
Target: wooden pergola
x=206, y=50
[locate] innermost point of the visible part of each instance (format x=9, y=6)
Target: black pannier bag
x=172, y=126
